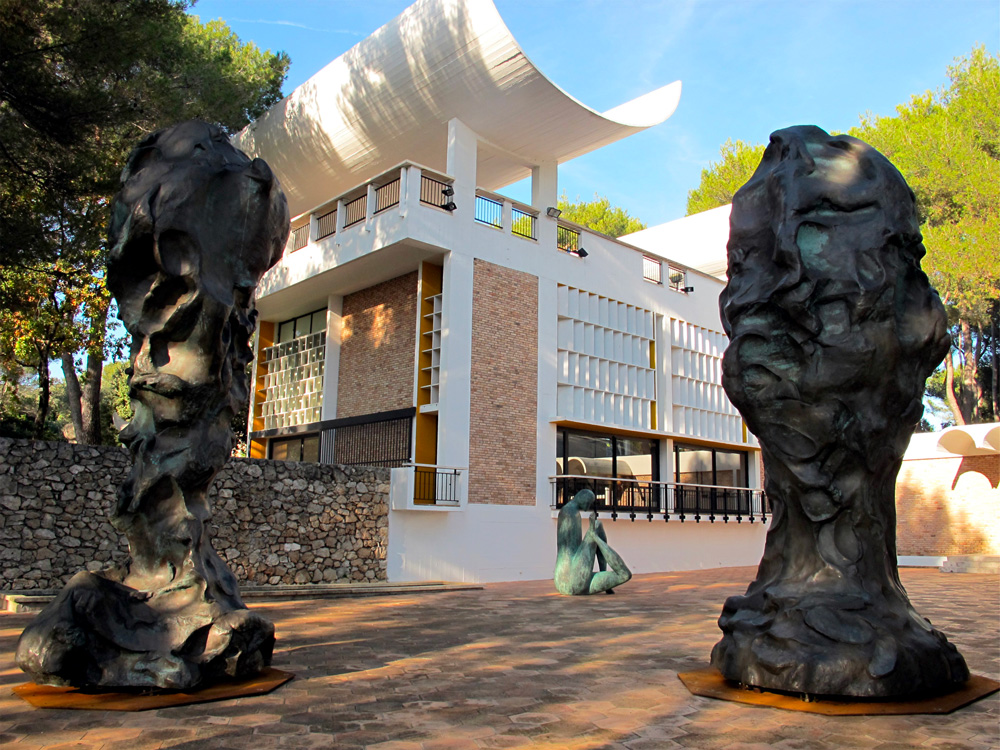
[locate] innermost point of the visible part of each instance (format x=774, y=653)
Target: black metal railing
x=299, y=238
x=652, y=269
x=522, y=223
x=387, y=196
x=326, y=224
x=489, y=211
x=676, y=278
x=355, y=210
x=434, y=485
x=567, y=240
x=633, y=498
x=434, y=192
x=381, y=439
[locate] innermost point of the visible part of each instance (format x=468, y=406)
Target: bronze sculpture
x=194, y=227
x=576, y=554
x=833, y=330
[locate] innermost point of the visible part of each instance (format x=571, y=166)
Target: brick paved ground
x=514, y=665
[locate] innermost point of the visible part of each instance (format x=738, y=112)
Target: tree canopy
x=600, y=216
x=721, y=179
x=947, y=146
x=81, y=82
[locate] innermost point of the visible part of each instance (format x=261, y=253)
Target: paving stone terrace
x=515, y=666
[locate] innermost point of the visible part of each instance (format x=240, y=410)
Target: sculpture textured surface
x=194, y=227
x=833, y=330
x=576, y=551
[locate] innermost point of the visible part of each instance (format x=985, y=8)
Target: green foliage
x=81, y=82
x=114, y=401
x=721, y=180
x=600, y=216
x=947, y=146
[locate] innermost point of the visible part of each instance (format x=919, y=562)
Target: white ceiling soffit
x=971, y=440
x=389, y=99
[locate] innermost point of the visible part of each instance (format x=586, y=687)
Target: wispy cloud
x=348, y=32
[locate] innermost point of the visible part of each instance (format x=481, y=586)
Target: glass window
x=318, y=321
x=298, y=448
x=594, y=454
x=302, y=326
x=695, y=464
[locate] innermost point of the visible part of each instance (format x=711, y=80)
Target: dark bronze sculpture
x=194, y=227
x=575, y=554
x=833, y=330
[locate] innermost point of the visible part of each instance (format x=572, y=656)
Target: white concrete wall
x=484, y=543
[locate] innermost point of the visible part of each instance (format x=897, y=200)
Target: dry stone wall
x=273, y=522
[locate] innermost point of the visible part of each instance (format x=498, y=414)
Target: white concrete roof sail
x=389, y=98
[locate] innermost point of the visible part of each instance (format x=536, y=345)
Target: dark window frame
x=563, y=433
x=744, y=462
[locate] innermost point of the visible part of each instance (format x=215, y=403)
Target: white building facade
x=495, y=356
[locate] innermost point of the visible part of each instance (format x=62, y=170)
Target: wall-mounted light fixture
x=581, y=253
x=554, y=212
x=688, y=289
x=448, y=190
x=449, y=206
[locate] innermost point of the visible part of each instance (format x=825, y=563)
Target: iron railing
x=522, y=223
x=326, y=224
x=355, y=210
x=434, y=192
x=676, y=277
x=381, y=439
x=652, y=269
x=435, y=485
x=387, y=195
x=634, y=497
x=567, y=240
x=299, y=238
x=489, y=212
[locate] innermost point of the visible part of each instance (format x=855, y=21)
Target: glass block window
x=293, y=381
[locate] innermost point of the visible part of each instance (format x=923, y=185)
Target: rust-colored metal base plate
x=50, y=696
x=711, y=684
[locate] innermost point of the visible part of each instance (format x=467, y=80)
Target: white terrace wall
x=273, y=522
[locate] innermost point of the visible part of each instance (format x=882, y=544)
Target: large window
x=297, y=448
x=695, y=464
x=602, y=455
x=303, y=325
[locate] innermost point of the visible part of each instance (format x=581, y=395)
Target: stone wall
x=503, y=424
x=273, y=522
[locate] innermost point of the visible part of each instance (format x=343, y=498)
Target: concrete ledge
x=971, y=564
x=919, y=561
x=34, y=601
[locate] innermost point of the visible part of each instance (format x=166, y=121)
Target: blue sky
x=748, y=67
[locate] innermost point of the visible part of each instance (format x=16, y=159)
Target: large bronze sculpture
x=576, y=552
x=833, y=330
x=194, y=227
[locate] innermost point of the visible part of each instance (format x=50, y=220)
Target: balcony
x=637, y=498
x=427, y=487
x=414, y=206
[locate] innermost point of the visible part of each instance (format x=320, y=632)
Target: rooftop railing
x=635, y=497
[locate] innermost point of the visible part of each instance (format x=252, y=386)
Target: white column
x=545, y=193
x=547, y=384
x=331, y=366
x=462, y=154
x=456, y=362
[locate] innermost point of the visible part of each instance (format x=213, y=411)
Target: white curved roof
x=389, y=99
x=971, y=440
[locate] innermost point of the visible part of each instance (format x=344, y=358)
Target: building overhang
x=389, y=99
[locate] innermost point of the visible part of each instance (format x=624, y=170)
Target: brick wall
x=272, y=522
x=378, y=347
x=504, y=410
x=948, y=506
